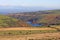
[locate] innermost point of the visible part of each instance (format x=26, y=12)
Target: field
x=43, y=36
x=30, y=33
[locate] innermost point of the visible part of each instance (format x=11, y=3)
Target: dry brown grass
x=43, y=36
x=46, y=36
x=27, y=28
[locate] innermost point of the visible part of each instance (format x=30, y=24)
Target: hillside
x=40, y=17
x=6, y=21
x=52, y=18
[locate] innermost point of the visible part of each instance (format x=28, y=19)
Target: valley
x=40, y=25
x=39, y=18
x=29, y=19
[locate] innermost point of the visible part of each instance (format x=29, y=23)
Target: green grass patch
x=25, y=32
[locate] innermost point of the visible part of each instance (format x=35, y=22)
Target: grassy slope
x=53, y=18
x=6, y=21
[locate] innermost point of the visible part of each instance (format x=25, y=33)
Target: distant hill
x=17, y=9
x=44, y=17
x=52, y=18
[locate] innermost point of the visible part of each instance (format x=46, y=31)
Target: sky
x=31, y=3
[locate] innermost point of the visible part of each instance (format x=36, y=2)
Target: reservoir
x=34, y=24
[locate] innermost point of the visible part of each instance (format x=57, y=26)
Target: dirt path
x=26, y=28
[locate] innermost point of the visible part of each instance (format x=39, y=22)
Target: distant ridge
x=15, y=9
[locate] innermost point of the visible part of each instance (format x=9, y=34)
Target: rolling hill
x=6, y=21
x=48, y=17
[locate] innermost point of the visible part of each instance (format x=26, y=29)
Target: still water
x=34, y=24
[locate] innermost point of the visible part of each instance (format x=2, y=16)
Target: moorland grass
x=25, y=32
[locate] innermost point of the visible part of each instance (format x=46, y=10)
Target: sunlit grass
x=25, y=32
